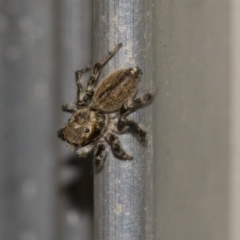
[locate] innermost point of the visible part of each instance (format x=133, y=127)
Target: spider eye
x=86, y=130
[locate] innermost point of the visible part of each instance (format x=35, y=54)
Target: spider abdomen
x=116, y=89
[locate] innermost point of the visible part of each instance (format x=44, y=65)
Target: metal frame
x=123, y=190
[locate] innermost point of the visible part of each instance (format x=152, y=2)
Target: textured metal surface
x=41, y=44
x=123, y=190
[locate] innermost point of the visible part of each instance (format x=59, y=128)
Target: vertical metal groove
x=123, y=190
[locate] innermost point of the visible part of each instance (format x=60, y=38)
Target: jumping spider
x=99, y=114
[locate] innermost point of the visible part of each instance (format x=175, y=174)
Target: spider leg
x=124, y=123
x=135, y=103
x=84, y=151
x=69, y=107
x=80, y=90
x=116, y=147
x=100, y=155
x=97, y=68
x=60, y=134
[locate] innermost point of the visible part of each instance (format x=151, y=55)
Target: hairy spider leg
x=69, y=107
x=116, y=147
x=60, y=134
x=72, y=107
x=131, y=105
x=126, y=124
x=97, y=69
x=100, y=155
x=84, y=151
x=80, y=89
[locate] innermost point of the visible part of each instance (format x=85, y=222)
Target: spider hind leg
x=136, y=103
x=80, y=90
x=97, y=69
x=126, y=124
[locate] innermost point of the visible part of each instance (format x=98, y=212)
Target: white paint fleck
x=118, y=209
x=118, y=181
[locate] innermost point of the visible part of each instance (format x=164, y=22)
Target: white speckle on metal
x=118, y=209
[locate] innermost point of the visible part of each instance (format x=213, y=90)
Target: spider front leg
x=80, y=90
x=84, y=151
x=124, y=123
x=116, y=147
x=69, y=107
x=60, y=134
x=135, y=103
x=100, y=155
x=97, y=69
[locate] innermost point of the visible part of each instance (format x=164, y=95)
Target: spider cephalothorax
x=99, y=114
x=83, y=127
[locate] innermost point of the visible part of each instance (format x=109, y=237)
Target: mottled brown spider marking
x=99, y=114
x=83, y=127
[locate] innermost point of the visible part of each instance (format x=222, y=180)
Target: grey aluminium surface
x=123, y=189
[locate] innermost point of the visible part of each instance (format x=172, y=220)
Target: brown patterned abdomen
x=116, y=89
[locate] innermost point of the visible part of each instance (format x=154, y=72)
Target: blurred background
x=44, y=192
x=47, y=193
